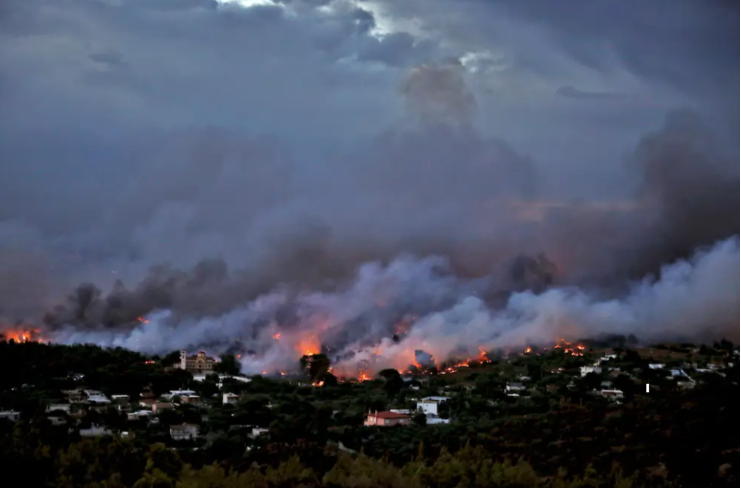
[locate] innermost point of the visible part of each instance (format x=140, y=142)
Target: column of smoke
x=467, y=270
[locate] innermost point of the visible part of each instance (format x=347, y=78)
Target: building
x=613, y=394
x=161, y=406
x=147, y=403
x=230, y=398
x=98, y=399
x=184, y=431
x=429, y=405
x=120, y=398
x=94, y=431
x=191, y=399
x=589, y=370
x=56, y=420
x=138, y=415
x=10, y=415
x=199, y=363
x=59, y=407
x=513, y=387
x=656, y=366
x=387, y=418
x=179, y=393
x=402, y=411
x=431, y=419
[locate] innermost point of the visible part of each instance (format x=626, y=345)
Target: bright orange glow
x=22, y=335
x=283, y=373
x=528, y=349
x=276, y=336
x=308, y=346
x=318, y=384
x=142, y=320
x=482, y=354
x=363, y=377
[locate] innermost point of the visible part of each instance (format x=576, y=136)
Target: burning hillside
x=21, y=335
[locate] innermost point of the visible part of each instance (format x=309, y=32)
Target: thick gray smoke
x=436, y=236
x=364, y=323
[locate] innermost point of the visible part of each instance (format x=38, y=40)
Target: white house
x=656, y=366
x=179, y=393
x=587, y=370
x=435, y=420
x=429, y=405
x=59, y=407
x=614, y=394
x=514, y=387
x=230, y=398
x=56, y=420
x=98, y=399
x=184, y=431
x=11, y=415
x=257, y=432
x=137, y=415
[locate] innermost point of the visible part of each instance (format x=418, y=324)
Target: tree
x=419, y=419
x=171, y=359
x=316, y=366
x=228, y=365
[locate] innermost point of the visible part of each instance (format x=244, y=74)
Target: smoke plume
x=436, y=240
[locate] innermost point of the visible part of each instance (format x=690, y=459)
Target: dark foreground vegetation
x=559, y=435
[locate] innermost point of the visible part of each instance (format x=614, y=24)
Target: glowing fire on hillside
x=308, y=346
x=22, y=335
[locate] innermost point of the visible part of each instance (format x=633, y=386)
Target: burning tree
x=316, y=366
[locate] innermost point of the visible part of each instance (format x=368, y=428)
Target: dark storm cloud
x=274, y=149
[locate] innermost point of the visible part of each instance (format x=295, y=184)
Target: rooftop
x=388, y=415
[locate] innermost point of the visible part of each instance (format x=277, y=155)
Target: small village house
x=162, y=406
x=184, y=431
x=387, y=418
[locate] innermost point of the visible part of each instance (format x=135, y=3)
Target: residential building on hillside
x=59, y=407
x=162, y=406
x=94, y=431
x=230, y=398
x=184, y=431
x=387, y=418
x=11, y=415
x=589, y=370
x=199, y=363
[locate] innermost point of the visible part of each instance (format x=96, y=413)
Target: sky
x=294, y=140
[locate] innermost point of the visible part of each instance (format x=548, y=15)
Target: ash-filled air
x=433, y=242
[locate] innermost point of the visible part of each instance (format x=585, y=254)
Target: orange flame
x=142, y=320
x=276, y=336
x=23, y=336
x=363, y=377
x=308, y=346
